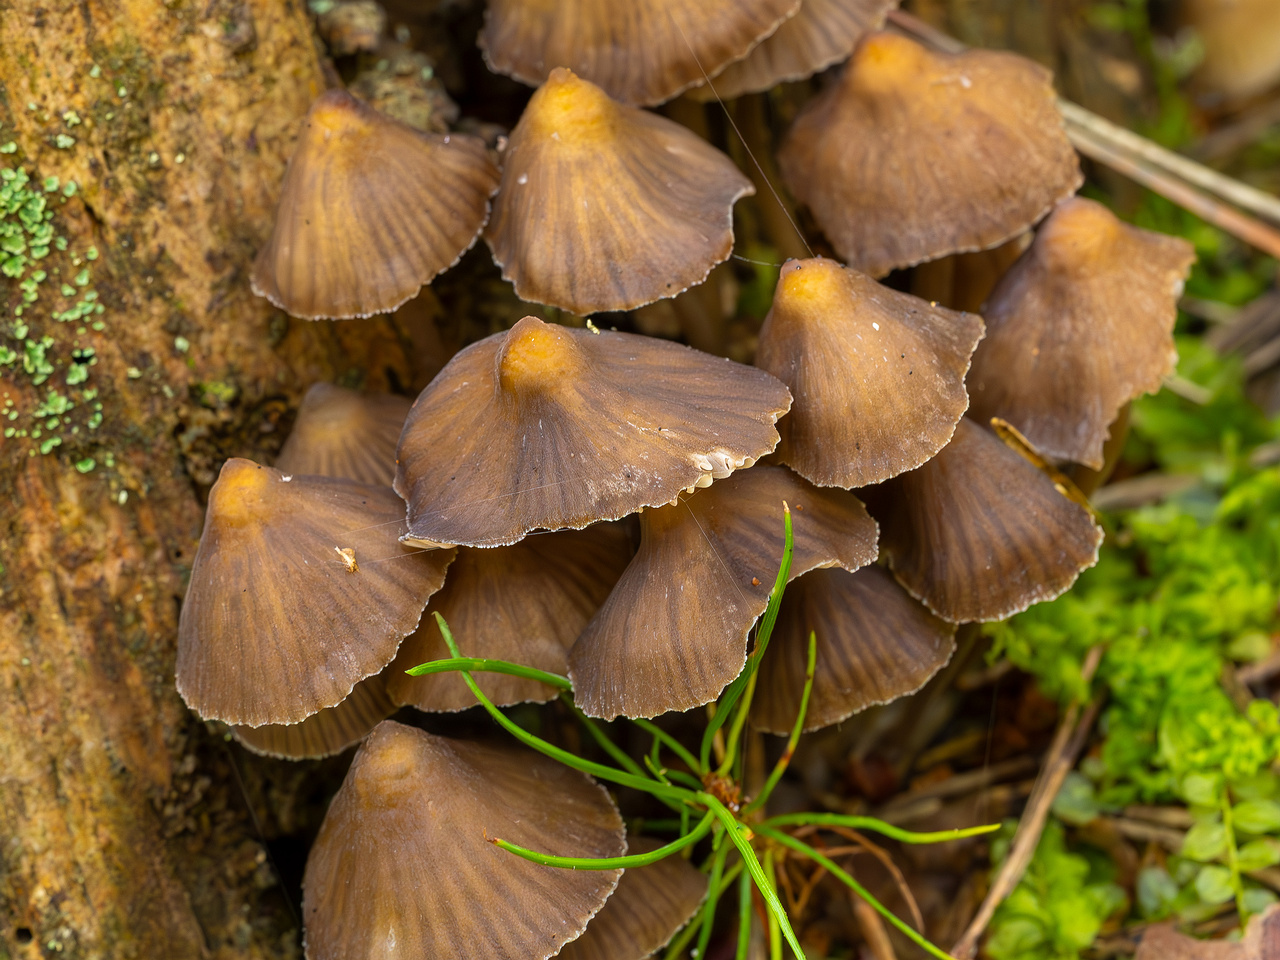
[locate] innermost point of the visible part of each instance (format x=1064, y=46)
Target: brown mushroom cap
x=1078, y=327
x=649, y=906
x=641, y=53
x=874, y=644
x=402, y=867
x=821, y=33
x=525, y=603
x=915, y=154
x=370, y=210
x=276, y=625
x=345, y=433
x=674, y=631
x=330, y=731
x=607, y=207
x=877, y=375
x=551, y=427
x=978, y=533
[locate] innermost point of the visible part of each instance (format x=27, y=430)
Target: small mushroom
x=525, y=603
x=548, y=427
x=649, y=906
x=913, y=154
x=345, y=433
x=370, y=210
x=607, y=207
x=674, y=631
x=640, y=53
x=877, y=375
x=276, y=626
x=1078, y=327
x=979, y=533
x=328, y=732
x=821, y=33
x=401, y=866
x=874, y=644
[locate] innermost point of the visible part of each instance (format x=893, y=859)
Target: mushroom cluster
x=500, y=499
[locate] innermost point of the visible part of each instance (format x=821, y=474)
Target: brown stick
x=1069, y=740
x=872, y=928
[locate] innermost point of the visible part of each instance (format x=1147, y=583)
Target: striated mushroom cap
x=402, y=866
x=547, y=427
x=607, y=207
x=674, y=631
x=877, y=375
x=330, y=731
x=299, y=590
x=821, y=33
x=370, y=210
x=979, y=533
x=874, y=644
x=345, y=433
x=913, y=154
x=640, y=53
x=525, y=603
x=649, y=906
x=1078, y=327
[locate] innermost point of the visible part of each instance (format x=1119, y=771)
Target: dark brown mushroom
x=874, y=644
x=299, y=590
x=641, y=53
x=370, y=210
x=979, y=533
x=821, y=33
x=345, y=433
x=402, y=866
x=649, y=906
x=1078, y=327
x=525, y=603
x=913, y=154
x=547, y=427
x=877, y=375
x=330, y=731
x=674, y=631
x=607, y=207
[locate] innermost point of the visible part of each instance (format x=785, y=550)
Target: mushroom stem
x=776, y=209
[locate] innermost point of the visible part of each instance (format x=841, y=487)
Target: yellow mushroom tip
x=336, y=112
x=537, y=355
x=240, y=491
x=886, y=59
x=1078, y=234
x=813, y=282
x=571, y=110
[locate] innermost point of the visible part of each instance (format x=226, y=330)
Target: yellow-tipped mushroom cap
x=1078, y=327
x=877, y=376
x=642, y=52
x=548, y=427
x=821, y=33
x=607, y=207
x=674, y=631
x=299, y=590
x=345, y=433
x=913, y=155
x=370, y=210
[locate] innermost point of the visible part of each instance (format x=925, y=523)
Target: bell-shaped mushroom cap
x=640, y=53
x=299, y=590
x=370, y=210
x=978, y=533
x=913, y=154
x=874, y=644
x=345, y=433
x=1077, y=328
x=649, y=906
x=402, y=866
x=877, y=375
x=546, y=427
x=525, y=603
x=821, y=33
x=674, y=631
x=330, y=731
x=607, y=207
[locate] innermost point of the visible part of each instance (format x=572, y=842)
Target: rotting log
x=123, y=832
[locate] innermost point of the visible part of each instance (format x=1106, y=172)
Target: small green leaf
x=1213, y=884
x=1205, y=841
x=1256, y=816
x=1258, y=855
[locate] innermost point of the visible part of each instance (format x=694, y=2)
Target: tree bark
x=123, y=832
